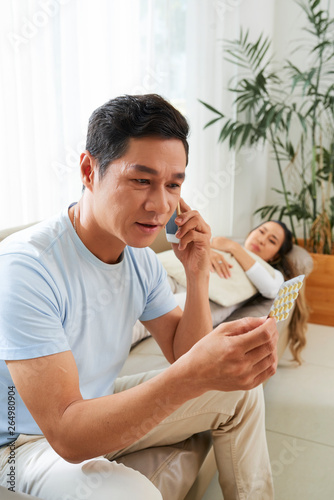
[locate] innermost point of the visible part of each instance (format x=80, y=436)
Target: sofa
x=182, y=471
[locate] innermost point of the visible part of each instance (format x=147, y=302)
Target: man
x=71, y=290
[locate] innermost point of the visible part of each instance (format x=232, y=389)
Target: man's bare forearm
x=95, y=427
x=196, y=321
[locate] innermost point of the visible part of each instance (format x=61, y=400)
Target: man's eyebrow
x=152, y=171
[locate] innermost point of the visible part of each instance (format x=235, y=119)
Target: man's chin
x=147, y=240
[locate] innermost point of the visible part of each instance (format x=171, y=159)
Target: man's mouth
x=147, y=225
x=148, y=228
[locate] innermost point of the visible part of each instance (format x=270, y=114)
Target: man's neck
x=104, y=246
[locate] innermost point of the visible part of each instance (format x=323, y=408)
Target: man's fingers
x=192, y=236
x=192, y=227
x=266, y=368
x=263, y=334
x=264, y=351
x=256, y=342
x=191, y=221
x=241, y=326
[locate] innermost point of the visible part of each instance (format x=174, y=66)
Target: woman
x=271, y=241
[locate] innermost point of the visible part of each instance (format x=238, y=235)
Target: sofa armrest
x=301, y=260
x=4, y=233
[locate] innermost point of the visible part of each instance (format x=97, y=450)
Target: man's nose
x=158, y=202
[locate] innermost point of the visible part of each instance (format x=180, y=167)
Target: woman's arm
x=266, y=284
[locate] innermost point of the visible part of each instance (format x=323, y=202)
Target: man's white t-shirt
x=55, y=295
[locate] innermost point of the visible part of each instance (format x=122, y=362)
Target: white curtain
x=60, y=59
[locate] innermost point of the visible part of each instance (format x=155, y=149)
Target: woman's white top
x=266, y=284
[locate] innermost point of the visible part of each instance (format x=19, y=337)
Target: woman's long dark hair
x=298, y=322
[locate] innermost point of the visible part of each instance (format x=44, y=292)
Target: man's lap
x=43, y=473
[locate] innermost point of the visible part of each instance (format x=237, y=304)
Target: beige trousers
x=236, y=420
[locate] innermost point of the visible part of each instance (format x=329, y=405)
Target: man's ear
x=87, y=169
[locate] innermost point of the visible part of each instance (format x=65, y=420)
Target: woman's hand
x=219, y=265
x=235, y=249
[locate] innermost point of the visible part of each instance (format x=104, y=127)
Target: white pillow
x=225, y=292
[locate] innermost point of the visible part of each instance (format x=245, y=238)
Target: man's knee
x=232, y=402
x=250, y=403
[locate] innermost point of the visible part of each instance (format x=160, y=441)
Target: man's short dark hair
x=112, y=125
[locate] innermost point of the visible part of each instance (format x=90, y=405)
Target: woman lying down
x=271, y=241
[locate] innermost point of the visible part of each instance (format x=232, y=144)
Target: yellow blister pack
x=285, y=298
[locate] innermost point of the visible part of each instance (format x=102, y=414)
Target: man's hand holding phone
x=192, y=243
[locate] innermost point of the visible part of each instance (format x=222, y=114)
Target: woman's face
x=266, y=240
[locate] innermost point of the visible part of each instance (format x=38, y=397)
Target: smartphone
x=171, y=228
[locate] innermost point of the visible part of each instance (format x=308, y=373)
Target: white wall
x=225, y=187
x=287, y=35
x=251, y=182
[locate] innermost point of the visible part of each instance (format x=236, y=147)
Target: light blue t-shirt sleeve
x=30, y=310
x=160, y=299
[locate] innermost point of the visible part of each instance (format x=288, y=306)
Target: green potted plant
x=291, y=109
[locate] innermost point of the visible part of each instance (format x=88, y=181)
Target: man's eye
x=174, y=186
x=142, y=181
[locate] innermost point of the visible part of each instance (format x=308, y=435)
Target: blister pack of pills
x=285, y=298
